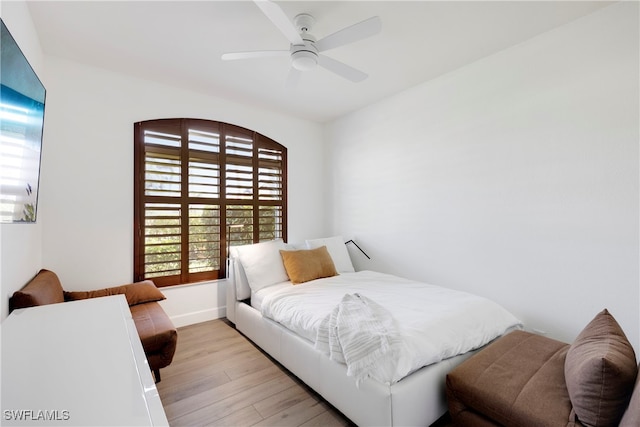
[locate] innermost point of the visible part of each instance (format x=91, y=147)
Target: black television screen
x=22, y=99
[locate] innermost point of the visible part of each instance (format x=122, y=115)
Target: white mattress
x=257, y=297
x=434, y=323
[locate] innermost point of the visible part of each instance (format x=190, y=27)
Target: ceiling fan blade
x=355, y=32
x=341, y=69
x=293, y=78
x=280, y=20
x=255, y=54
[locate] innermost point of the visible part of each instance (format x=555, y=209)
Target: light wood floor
x=218, y=377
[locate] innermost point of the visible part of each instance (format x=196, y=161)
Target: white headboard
x=237, y=286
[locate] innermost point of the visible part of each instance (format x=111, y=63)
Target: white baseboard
x=192, y=318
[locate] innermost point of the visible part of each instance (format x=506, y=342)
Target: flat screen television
x=22, y=99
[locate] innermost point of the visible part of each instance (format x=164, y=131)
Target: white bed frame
x=417, y=400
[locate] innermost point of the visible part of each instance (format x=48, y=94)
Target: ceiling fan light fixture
x=304, y=60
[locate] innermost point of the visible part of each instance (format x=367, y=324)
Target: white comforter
x=433, y=323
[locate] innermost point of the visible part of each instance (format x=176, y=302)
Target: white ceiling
x=180, y=43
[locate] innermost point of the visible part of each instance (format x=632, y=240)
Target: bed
x=358, y=338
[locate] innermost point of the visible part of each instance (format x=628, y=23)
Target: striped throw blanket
x=361, y=334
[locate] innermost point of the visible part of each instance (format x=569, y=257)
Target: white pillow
x=262, y=263
x=338, y=251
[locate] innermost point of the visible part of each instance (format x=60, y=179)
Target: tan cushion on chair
x=600, y=372
x=515, y=381
x=44, y=288
x=136, y=293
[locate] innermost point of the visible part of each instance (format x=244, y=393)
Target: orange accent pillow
x=305, y=265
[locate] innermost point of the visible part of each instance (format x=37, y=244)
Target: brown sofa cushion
x=517, y=380
x=600, y=371
x=44, y=288
x=136, y=293
x=157, y=333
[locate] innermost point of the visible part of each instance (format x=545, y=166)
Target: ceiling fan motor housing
x=304, y=57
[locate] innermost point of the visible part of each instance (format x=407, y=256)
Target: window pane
x=162, y=139
x=204, y=141
x=270, y=223
x=239, y=224
x=204, y=179
x=239, y=182
x=162, y=240
x=269, y=184
x=270, y=169
x=236, y=145
x=162, y=175
x=204, y=238
x=239, y=167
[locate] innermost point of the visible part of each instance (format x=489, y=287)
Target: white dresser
x=77, y=363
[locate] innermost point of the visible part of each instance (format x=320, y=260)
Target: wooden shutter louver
x=204, y=238
x=200, y=187
x=239, y=147
x=162, y=240
x=270, y=189
x=239, y=166
x=162, y=164
x=269, y=174
x=204, y=164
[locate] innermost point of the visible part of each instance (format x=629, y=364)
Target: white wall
x=515, y=177
x=21, y=244
x=87, y=175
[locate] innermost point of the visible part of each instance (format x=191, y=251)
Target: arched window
x=201, y=186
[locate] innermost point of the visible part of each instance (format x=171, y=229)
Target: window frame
x=260, y=145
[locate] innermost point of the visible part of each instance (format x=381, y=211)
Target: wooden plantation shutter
x=204, y=257
x=239, y=192
x=200, y=186
x=271, y=160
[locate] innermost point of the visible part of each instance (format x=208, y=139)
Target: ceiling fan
x=304, y=50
